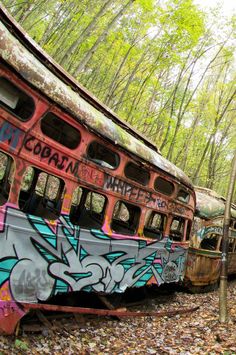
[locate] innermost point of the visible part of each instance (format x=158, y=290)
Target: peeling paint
x=209, y=204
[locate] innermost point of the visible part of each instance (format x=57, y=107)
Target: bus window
x=88, y=208
x=210, y=242
x=60, y=131
x=234, y=245
x=15, y=100
x=188, y=231
x=27, y=178
x=177, y=229
x=232, y=224
x=103, y=156
x=6, y=174
x=76, y=197
x=125, y=218
x=183, y=196
x=137, y=173
x=41, y=194
x=154, y=225
x=164, y=186
x=231, y=246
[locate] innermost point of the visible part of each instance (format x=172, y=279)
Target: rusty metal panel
x=208, y=203
x=38, y=75
x=232, y=263
x=203, y=267
x=107, y=312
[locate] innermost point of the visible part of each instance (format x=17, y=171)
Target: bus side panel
x=203, y=267
x=39, y=259
x=232, y=263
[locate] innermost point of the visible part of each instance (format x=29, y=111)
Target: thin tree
x=86, y=32
x=91, y=51
x=223, y=312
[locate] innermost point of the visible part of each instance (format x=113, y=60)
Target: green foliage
x=161, y=65
x=21, y=345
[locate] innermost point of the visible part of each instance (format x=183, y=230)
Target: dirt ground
x=197, y=332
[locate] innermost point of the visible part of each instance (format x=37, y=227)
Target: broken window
x=164, y=186
x=15, y=100
x=232, y=224
x=6, y=175
x=76, y=197
x=188, y=230
x=210, y=242
x=154, y=225
x=41, y=194
x=102, y=155
x=60, y=131
x=137, y=173
x=125, y=219
x=231, y=247
x=177, y=229
x=183, y=196
x=88, y=208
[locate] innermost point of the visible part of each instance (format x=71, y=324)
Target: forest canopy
x=164, y=66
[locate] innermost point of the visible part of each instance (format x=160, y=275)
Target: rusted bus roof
x=41, y=77
x=210, y=205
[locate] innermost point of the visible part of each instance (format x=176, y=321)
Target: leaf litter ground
x=198, y=332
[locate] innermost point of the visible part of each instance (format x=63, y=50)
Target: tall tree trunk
x=29, y=10
x=186, y=145
x=223, y=312
x=217, y=122
x=85, y=33
x=113, y=85
x=199, y=166
x=90, y=52
x=183, y=105
x=52, y=24
x=215, y=153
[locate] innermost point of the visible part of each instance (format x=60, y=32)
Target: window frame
x=170, y=183
x=44, y=126
x=151, y=232
x=30, y=100
x=138, y=170
x=87, y=218
x=123, y=227
x=102, y=162
x=41, y=205
x=9, y=173
x=178, y=234
x=181, y=189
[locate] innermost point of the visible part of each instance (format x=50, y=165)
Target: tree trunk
x=223, y=312
x=113, y=85
x=85, y=33
x=90, y=52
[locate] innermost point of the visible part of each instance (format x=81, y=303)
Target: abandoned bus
x=86, y=202
x=204, y=256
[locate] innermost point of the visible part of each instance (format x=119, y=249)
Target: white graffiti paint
x=41, y=261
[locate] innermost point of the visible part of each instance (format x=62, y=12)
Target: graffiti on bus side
x=63, y=162
x=53, y=158
x=39, y=260
x=203, y=232
x=91, y=175
x=133, y=193
x=10, y=135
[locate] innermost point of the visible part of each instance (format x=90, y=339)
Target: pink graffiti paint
x=10, y=311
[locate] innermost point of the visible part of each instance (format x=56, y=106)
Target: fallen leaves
x=198, y=332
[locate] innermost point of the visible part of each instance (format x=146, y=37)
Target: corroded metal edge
x=210, y=205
